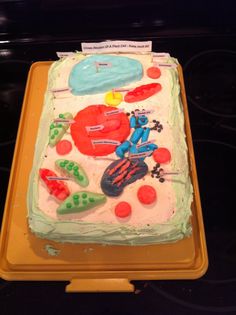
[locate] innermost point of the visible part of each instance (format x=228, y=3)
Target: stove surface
x=209, y=64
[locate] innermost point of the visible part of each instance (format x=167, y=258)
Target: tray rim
x=191, y=273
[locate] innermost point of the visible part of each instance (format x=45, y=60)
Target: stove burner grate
x=210, y=79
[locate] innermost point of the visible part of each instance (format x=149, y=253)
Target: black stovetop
x=209, y=63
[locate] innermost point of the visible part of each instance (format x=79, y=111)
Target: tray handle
x=100, y=285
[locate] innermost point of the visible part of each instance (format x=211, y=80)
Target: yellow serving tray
x=88, y=267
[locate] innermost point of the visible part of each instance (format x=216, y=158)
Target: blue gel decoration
x=136, y=135
x=132, y=122
x=86, y=78
x=133, y=149
x=145, y=134
x=122, y=149
x=142, y=120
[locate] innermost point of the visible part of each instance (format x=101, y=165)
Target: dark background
x=202, y=35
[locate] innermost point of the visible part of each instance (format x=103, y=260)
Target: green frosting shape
x=77, y=202
x=57, y=130
x=73, y=170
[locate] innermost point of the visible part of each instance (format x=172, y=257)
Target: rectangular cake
x=111, y=160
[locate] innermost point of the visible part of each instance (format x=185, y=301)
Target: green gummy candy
x=70, y=169
x=76, y=207
x=57, y=131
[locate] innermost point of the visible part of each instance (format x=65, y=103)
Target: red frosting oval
x=147, y=194
x=63, y=147
x=116, y=127
x=162, y=155
x=123, y=209
x=153, y=72
x=142, y=92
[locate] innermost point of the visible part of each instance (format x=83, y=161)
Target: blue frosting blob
x=86, y=79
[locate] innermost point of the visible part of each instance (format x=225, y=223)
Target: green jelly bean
x=76, y=173
x=80, y=177
x=75, y=197
x=84, y=195
x=76, y=202
x=69, y=168
x=62, y=164
x=52, y=126
x=91, y=199
x=59, y=126
x=71, y=164
x=56, y=132
x=66, y=161
x=61, y=116
x=75, y=168
x=68, y=205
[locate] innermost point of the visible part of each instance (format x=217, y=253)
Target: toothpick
x=57, y=178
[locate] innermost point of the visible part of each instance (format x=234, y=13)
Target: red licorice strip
x=55, y=187
x=123, y=209
x=114, y=169
x=119, y=177
x=63, y=147
x=142, y=92
x=147, y=194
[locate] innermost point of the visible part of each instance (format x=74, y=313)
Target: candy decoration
x=73, y=170
x=123, y=209
x=162, y=155
x=113, y=98
x=55, y=187
x=63, y=147
x=81, y=201
x=147, y=194
x=57, y=130
x=120, y=174
x=142, y=92
x=153, y=72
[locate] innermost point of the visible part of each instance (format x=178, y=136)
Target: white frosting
x=165, y=220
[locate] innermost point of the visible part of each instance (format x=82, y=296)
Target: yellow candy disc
x=113, y=98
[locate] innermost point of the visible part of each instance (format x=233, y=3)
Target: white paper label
x=117, y=46
x=165, y=65
x=103, y=64
x=65, y=121
x=94, y=128
x=140, y=155
x=160, y=55
x=114, y=112
x=61, y=54
x=105, y=141
x=144, y=143
x=144, y=112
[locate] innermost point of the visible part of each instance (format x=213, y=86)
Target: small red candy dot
x=153, y=72
x=162, y=156
x=123, y=209
x=147, y=194
x=63, y=147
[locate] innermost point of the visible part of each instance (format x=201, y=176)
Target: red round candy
x=162, y=156
x=153, y=72
x=63, y=147
x=123, y=209
x=147, y=194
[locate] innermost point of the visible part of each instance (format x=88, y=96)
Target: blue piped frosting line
x=85, y=78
